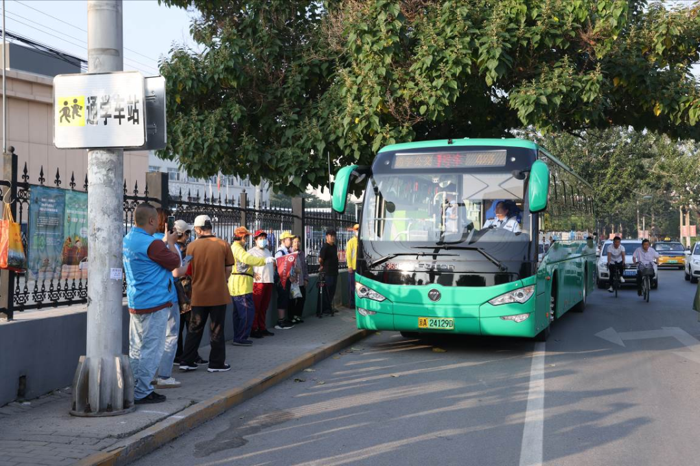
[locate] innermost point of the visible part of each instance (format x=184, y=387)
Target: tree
x=283, y=83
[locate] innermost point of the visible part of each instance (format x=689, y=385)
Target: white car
x=692, y=264
x=603, y=274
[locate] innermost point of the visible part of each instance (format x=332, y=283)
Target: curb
x=152, y=438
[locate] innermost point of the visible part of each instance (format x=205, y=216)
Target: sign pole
x=103, y=383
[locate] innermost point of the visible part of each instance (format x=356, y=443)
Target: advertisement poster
x=74, y=250
x=57, y=234
x=285, y=264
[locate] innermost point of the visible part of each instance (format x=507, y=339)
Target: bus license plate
x=436, y=323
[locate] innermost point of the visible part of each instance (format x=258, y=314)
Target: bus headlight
x=516, y=318
x=521, y=295
x=365, y=312
x=365, y=292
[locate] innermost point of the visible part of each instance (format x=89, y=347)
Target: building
x=29, y=75
x=228, y=187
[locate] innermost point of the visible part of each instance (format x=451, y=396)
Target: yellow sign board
x=71, y=110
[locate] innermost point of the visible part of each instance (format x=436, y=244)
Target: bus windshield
x=468, y=229
x=444, y=208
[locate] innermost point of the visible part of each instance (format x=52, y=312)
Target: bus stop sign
x=99, y=110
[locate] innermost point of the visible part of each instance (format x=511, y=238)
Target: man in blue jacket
x=148, y=265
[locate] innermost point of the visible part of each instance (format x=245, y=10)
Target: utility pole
x=103, y=384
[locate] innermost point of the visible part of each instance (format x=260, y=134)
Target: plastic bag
x=11, y=249
x=295, y=291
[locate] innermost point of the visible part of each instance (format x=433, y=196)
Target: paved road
x=619, y=382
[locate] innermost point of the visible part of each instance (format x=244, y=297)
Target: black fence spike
x=25, y=173
x=57, y=181
x=86, y=183
x=136, y=188
x=145, y=190
x=72, y=181
x=41, y=176
x=125, y=190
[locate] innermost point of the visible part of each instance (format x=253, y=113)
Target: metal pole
x=4, y=84
x=105, y=371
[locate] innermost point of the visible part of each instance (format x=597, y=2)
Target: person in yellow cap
x=240, y=286
x=351, y=258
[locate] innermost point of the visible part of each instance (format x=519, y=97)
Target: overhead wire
x=82, y=30
x=12, y=14
x=73, y=43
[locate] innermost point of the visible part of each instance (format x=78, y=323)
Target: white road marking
x=689, y=341
x=533, y=433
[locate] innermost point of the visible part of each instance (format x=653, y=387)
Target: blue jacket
x=160, y=236
x=149, y=286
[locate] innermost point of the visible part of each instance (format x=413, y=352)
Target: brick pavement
x=41, y=432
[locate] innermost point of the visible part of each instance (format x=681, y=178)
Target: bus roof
x=509, y=142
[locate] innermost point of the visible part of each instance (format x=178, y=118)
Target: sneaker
x=152, y=397
x=241, y=343
x=622, y=280
x=297, y=320
x=610, y=289
x=224, y=368
x=176, y=362
x=267, y=333
x=201, y=361
x=187, y=367
x=257, y=334
x=170, y=382
x=284, y=325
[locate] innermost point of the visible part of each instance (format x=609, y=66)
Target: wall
x=44, y=346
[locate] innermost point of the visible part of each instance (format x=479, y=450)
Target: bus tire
x=410, y=335
x=544, y=334
x=581, y=305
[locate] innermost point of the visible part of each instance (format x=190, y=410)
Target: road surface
x=615, y=385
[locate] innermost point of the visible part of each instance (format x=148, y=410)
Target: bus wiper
x=492, y=259
x=388, y=257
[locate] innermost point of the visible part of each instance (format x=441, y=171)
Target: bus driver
x=506, y=217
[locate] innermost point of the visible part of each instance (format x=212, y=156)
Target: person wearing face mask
x=263, y=282
x=240, y=286
x=351, y=258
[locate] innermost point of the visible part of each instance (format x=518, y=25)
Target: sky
x=149, y=29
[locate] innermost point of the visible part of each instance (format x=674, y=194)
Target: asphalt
x=610, y=397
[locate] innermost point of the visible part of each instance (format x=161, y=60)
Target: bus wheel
x=581, y=305
x=411, y=335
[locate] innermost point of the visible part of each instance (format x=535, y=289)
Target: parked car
x=671, y=254
x=630, y=275
x=692, y=264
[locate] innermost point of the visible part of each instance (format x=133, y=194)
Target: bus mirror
x=340, y=188
x=539, y=186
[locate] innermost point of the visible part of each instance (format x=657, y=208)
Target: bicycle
x=647, y=272
x=615, y=280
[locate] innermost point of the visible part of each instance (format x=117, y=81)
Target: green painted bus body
x=567, y=273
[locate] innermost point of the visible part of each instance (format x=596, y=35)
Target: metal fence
x=226, y=214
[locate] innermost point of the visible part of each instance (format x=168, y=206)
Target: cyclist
x=645, y=256
x=616, y=260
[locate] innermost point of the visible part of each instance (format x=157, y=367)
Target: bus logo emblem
x=434, y=295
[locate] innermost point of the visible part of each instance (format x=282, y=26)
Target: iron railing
x=46, y=291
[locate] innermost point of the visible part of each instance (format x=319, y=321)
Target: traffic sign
x=99, y=110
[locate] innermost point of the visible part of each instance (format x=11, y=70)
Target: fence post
x=158, y=188
x=298, y=213
x=243, y=200
x=7, y=277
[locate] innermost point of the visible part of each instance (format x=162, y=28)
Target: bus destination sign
x=466, y=159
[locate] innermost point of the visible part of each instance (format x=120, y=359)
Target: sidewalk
x=42, y=432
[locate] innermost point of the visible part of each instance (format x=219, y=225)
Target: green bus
x=470, y=236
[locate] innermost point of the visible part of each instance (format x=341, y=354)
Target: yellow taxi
x=671, y=254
